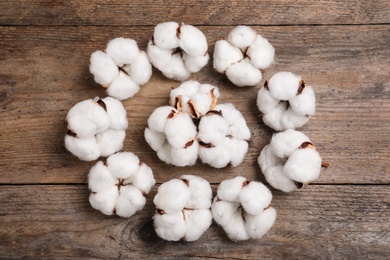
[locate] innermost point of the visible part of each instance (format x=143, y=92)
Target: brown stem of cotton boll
x=101, y=103
x=214, y=112
x=187, y=182
x=193, y=111
x=325, y=164
x=178, y=104
x=302, y=85
x=299, y=185
x=160, y=211
x=245, y=183
x=205, y=145
x=172, y=114
x=188, y=144
x=307, y=145
x=71, y=133
x=266, y=85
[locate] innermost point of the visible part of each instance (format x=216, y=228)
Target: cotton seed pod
x=285, y=101
x=122, y=68
x=223, y=137
x=243, y=208
x=178, y=50
x=183, y=208
x=194, y=98
x=119, y=185
x=290, y=161
x=243, y=56
x=172, y=134
x=96, y=127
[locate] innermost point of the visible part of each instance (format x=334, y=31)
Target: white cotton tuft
x=237, y=150
x=265, y=102
x=116, y=112
x=286, y=142
x=230, y=189
x=86, y=149
x=201, y=193
x=261, y=53
x=119, y=185
x=187, y=133
x=255, y=197
x=192, y=40
x=123, y=87
x=157, y=120
x=303, y=165
x=155, y=139
x=122, y=51
x=140, y=70
x=103, y=68
x=284, y=85
x=110, y=141
x=123, y=165
x=225, y=54
x=197, y=222
x=243, y=73
x=195, y=63
x=172, y=196
x=235, y=229
x=186, y=156
x=217, y=157
x=170, y=226
x=242, y=36
x=304, y=103
x=165, y=35
x=258, y=225
x=223, y=210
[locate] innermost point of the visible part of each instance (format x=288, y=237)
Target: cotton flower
x=178, y=50
x=243, y=208
x=290, y=161
x=119, y=185
x=223, y=136
x=183, y=208
x=285, y=101
x=243, y=56
x=96, y=127
x=122, y=68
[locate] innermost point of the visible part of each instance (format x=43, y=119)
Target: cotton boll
x=123, y=87
x=237, y=150
x=140, y=70
x=201, y=193
x=122, y=50
x=261, y=53
x=284, y=85
x=265, y=102
x=172, y=196
x=303, y=165
x=244, y=74
x=116, y=112
x=291, y=120
x=242, y=36
x=180, y=130
x=230, y=189
x=258, y=225
x=255, y=197
x=304, y=103
x=85, y=149
x=195, y=63
x=185, y=156
x=197, y=222
x=236, y=229
x=129, y=201
x=157, y=120
x=286, y=142
x=103, y=68
x=100, y=178
x=155, y=139
x=123, y=165
x=104, y=201
x=165, y=35
x=217, y=157
x=170, y=226
x=192, y=40
x=110, y=141
x=223, y=210
x=225, y=55
x=87, y=118
x=144, y=179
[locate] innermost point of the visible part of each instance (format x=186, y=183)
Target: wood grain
x=141, y=12
x=321, y=222
x=45, y=72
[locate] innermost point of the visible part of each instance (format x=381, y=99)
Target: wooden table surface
x=341, y=48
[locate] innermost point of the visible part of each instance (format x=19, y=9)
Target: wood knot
x=6, y=94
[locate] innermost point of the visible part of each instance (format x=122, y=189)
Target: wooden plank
x=321, y=222
x=45, y=72
x=140, y=12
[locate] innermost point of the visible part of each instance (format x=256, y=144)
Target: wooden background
x=342, y=48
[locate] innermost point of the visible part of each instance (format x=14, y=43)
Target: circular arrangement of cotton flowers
x=119, y=185
x=243, y=209
x=290, y=161
x=243, y=56
x=96, y=127
x=178, y=50
x=121, y=68
x=285, y=101
x=183, y=208
x=196, y=126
